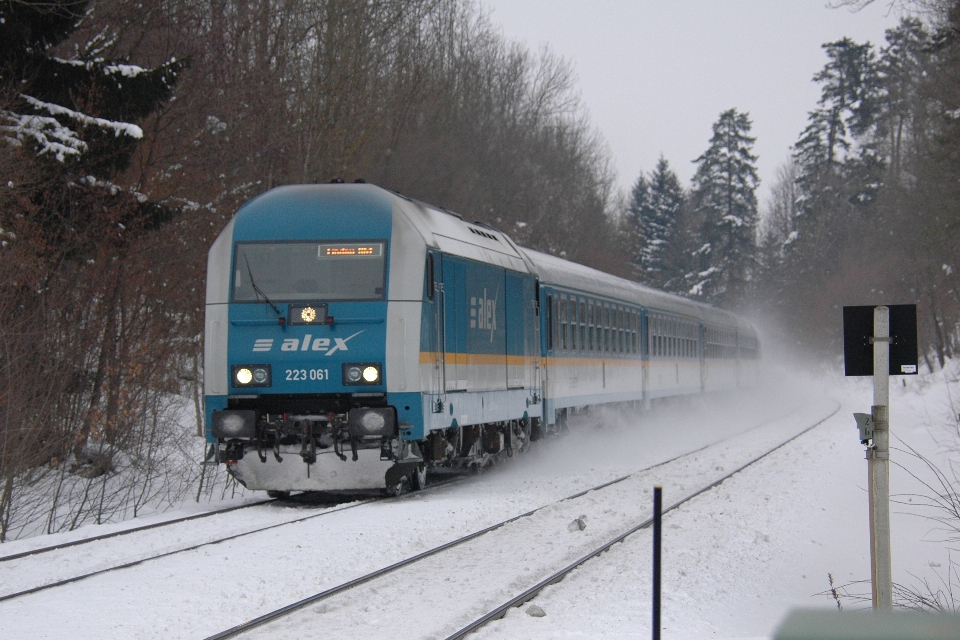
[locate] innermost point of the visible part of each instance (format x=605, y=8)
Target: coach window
x=652, y=335
x=669, y=338
x=665, y=337
x=577, y=326
x=611, y=318
x=672, y=339
x=606, y=328
x=615, y=347
x=613, y=329
x=551, y=320
x=556, y=323
x=599, y=320
x=583, y=325
x=589, y=325
x=576, y=343
x=563, y=323
x=623, y=344
x=628, y=321
x=660, y=337
x=626, y=331
x=574, y=325
x=620, y=327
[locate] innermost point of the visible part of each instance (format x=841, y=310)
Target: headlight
x=308, y=314
x=363, y=374
x=373, y=422
x=250, y=375
x=234, y=424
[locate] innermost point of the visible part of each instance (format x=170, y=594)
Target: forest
x=134, y=129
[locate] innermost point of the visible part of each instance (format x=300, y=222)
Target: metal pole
x=657, y=517
x=878, y=464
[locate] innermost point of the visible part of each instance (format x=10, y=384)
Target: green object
x=821, y=624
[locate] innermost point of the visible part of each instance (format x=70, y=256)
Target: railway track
x=404, y=579
x=178, y=550
x=125, y=532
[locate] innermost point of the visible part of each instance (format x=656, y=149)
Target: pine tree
x=903, y=67
x=656, y=204
x=724, y=196
x=848, y=100
x=78, y=117
x=840, y=167
x=836, y=164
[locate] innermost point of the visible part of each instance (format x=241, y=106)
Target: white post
x=878, y=464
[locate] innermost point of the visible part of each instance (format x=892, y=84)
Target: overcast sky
x=655, y=74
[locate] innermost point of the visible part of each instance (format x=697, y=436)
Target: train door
x=523, y=333
x=434, y=338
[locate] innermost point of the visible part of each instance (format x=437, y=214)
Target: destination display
x=349, y=250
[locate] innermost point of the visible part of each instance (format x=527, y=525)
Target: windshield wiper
x=257, y=289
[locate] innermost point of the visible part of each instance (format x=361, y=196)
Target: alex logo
x=483, y=313
x=308, y=343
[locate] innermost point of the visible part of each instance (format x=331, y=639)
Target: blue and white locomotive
x=356, y=338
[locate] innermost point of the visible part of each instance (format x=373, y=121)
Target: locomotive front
x=296, y=341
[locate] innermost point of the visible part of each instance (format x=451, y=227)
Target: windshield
x=284, y=271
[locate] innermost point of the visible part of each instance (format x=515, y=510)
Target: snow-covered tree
x=840, y=164
x=848, y=101
x=724, y=196
x=653, y=218
x=77, y=114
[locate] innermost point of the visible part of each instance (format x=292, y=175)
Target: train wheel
x=395, y=489
x=418, y=479
x=522, y=435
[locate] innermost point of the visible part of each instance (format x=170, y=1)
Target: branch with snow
x=47, y=132
x=118, y=128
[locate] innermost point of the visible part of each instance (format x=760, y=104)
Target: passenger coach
x=356, y=338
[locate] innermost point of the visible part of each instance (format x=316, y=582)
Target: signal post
x=878, y=464
x=886, y=345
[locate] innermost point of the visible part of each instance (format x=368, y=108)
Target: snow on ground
x=735, y=559
x=738, y=558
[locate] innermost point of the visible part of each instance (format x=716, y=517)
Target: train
x=356, y=338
